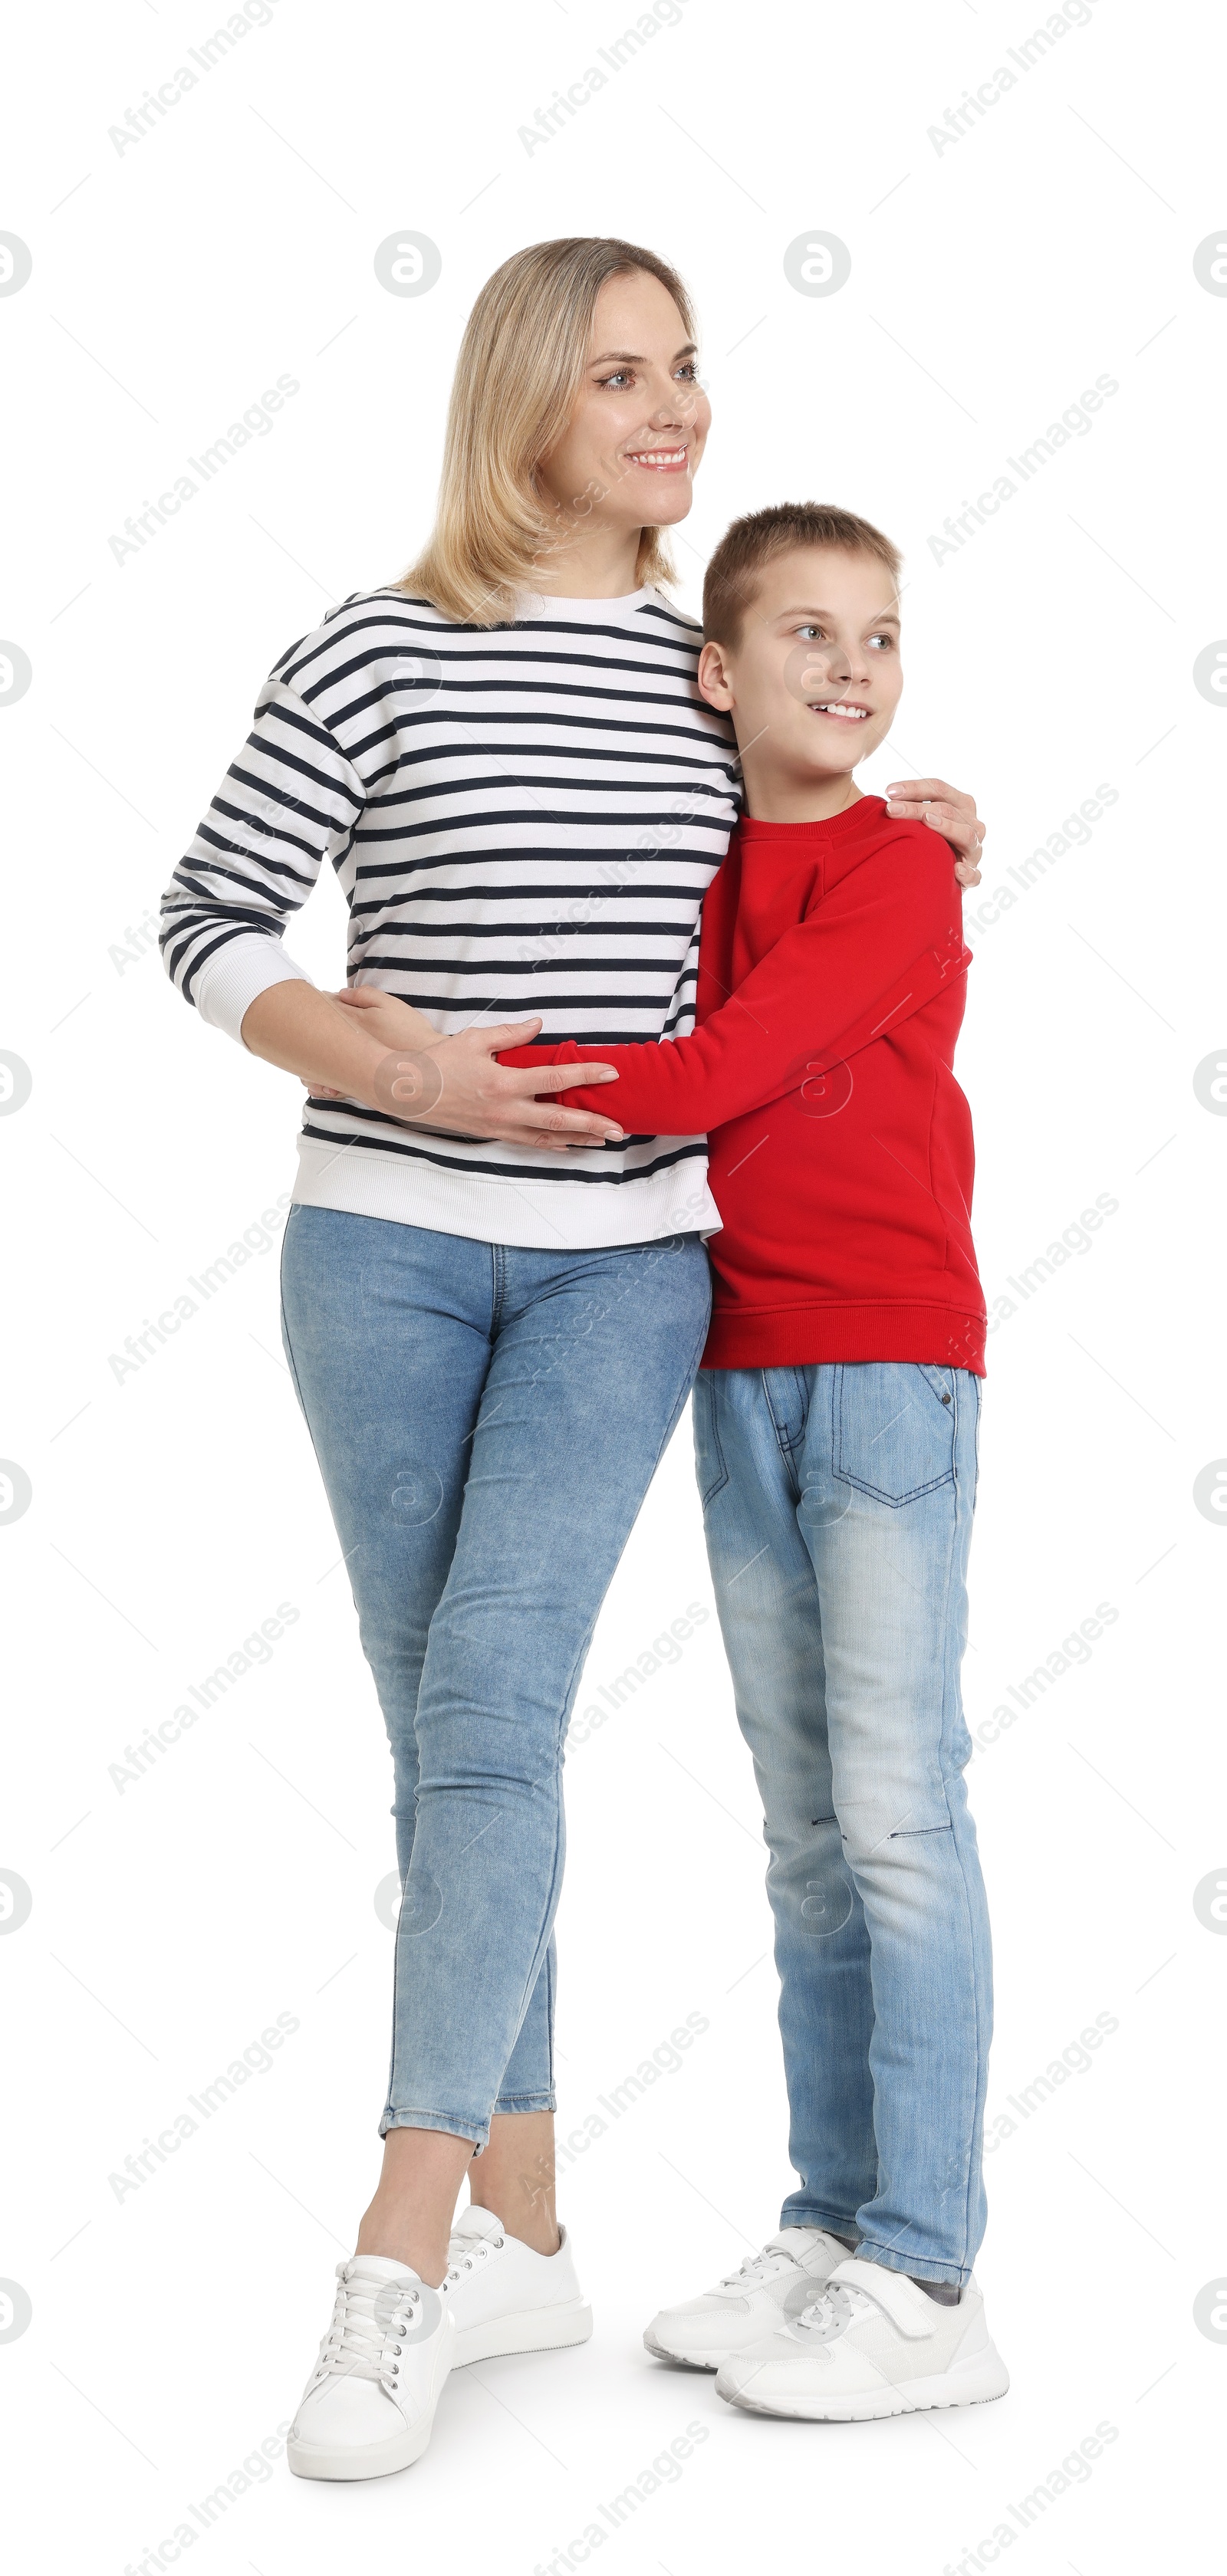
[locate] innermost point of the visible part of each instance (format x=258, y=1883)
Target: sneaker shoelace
x=832, y=2312
x=462, y=2260
x=756, y=2268
x=367, y=2317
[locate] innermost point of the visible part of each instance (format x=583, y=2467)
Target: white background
x=172, y=1510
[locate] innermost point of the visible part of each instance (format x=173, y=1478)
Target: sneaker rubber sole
x=527, y=2330
x=670, y=2352
x=376, y=2460
x=983, y=2377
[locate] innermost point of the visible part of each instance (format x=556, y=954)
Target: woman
x=493, y=1309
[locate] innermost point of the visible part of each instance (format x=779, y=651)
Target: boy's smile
x=812, y=681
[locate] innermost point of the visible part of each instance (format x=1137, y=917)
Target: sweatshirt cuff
x=232, y=979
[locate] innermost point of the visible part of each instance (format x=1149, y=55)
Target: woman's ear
x=714, y=676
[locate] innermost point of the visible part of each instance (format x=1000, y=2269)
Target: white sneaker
x=370, y=2401
x=750, y=2303
x=872, y=2344
x=505, y=2298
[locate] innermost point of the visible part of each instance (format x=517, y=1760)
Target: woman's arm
x=289, y=801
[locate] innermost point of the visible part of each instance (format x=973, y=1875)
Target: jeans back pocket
x=894, y=1427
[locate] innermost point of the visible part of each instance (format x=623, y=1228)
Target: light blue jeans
x=487, y=1421
x=838, y=1506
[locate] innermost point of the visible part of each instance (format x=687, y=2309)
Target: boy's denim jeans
x=838, y=1504
x=487, y=1421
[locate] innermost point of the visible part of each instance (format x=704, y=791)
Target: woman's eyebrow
x=635, y=358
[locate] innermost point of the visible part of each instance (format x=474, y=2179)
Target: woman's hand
x=394, y=1022
x=946, y=810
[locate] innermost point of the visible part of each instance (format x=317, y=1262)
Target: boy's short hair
x=752, y=542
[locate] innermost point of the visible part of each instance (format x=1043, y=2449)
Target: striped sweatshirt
x=523, y=819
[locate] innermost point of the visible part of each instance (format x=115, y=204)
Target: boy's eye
x=885, y=643
x=809, y=634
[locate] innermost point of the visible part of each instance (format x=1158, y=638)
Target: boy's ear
x=714, y=676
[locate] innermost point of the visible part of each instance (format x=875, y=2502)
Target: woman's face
x=627, y=457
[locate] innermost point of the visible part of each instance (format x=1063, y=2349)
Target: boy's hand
x=946, y=810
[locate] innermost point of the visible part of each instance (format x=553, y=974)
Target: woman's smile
x=659, y=460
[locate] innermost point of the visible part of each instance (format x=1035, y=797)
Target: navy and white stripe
x=523, y=819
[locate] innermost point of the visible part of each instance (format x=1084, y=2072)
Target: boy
x=836, y=1429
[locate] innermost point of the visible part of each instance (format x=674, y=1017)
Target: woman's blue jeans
x=487, y=1421
x=838, y=1505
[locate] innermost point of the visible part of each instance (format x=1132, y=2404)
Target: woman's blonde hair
x=520, y=367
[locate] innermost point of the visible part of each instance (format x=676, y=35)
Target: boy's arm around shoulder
x=902, y=897
x=878, y=945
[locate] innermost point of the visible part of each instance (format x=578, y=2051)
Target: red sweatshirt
x=830, y=994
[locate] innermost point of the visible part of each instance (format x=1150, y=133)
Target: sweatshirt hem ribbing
x=807, y=1336
x=541, y=1216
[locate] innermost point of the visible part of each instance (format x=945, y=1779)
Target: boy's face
x=814, y=678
